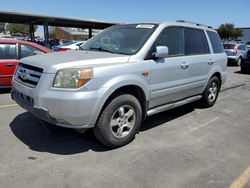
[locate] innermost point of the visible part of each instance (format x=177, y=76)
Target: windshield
x=124, y=39
x=67, y=43
x=228, y=46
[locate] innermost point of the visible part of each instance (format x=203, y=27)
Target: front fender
x=115, y=83
x=126, y=80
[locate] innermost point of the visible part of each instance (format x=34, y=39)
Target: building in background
x=63, y=33
x=246, y=35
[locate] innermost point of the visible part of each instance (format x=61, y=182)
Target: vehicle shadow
x=239, y=72
x=5, y=90
x=63, y=141
x=167, y=116
x=58, y=140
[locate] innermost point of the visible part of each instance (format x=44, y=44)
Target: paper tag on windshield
x=145, y=26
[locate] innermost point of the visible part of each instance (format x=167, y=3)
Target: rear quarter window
x=215, y=41
x=27, y=50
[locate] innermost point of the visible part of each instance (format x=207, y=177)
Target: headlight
x=72, y=78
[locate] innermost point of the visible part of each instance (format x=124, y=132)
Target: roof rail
x=184, y=21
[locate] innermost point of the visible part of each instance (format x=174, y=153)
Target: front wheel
x=119, y=121
x=211, y=92
x=242, y=70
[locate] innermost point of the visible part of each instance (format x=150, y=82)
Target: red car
x=11, y=51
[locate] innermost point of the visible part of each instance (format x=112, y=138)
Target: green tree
x=237, y=33
x=2, y=26
x=228, y=31
x=22, y=29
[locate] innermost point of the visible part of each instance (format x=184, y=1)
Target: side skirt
x=172, y=105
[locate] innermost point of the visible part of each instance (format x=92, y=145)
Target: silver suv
x=121, y=76
x=236, y=52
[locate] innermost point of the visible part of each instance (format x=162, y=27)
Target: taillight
x=64, y=49
x=235, y=49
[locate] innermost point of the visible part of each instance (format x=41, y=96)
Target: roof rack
x=184, y=21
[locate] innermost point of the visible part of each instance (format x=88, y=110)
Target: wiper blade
x=100, y=49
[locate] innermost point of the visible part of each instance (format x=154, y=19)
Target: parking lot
x=184, y=147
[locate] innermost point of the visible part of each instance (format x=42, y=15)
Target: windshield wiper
x=101, y=49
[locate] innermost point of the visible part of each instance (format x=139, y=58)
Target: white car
x=72, y=45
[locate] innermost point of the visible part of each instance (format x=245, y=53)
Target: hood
x=52, y=62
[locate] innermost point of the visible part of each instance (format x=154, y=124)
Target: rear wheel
x=119, y=121
x=211, y=92
x=244, y=68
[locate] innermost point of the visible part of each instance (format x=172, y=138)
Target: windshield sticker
x=145, y=26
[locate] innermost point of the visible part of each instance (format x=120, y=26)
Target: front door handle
x=10, y=65
x=184, y=65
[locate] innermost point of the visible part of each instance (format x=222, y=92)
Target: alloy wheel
x=123, y=121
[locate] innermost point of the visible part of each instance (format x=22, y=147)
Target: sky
x=210, y=12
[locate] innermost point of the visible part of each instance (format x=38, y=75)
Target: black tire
x=243, y=70
x=104, y=131
x=207, y=99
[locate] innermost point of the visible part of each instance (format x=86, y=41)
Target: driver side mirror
x=161, y=52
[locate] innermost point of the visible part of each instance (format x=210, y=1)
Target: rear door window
x=7, y=51
x=241, y=47
x=215, y=41
x=195, y=42
x=229, y=46
x=27, y=50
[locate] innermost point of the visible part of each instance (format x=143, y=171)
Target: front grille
x=28, y=75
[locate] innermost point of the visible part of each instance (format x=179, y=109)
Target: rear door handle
x=210, y=62
x=10, y=65
x=184, y=65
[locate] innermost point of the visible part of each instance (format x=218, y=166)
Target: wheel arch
x=131, y=89
x=218, y=75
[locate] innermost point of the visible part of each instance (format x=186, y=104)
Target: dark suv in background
x=245, y=65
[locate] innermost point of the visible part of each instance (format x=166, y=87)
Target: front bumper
x=27, y=103
x=76, y=109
